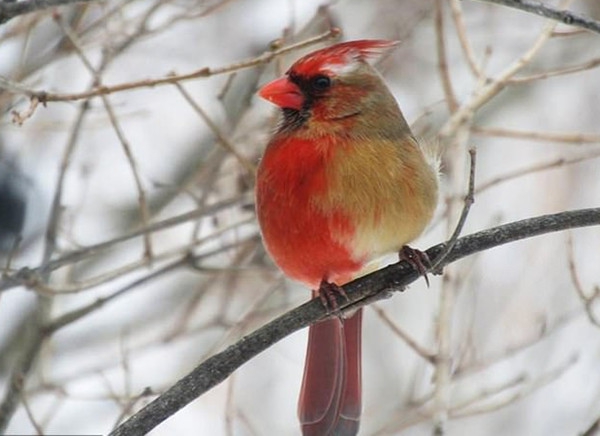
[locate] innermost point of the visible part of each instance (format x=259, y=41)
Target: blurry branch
x=367, y=289
x=124, y=269
x=222, y=139
x=468, y=202
x=97, y=80
x=468, y=407
x=38, y=428
x=461, y=32
x=587, y=300
x=573, y=138
x=45, y=97
x=489, y=89
x=593, y=429
x=426, y=354
x=10, y=10
x=30, y=276
x=468, y=367
x=484, y=400
x=133, y=165
x=443, y=359
x=31, y=345
x=449, y=93
x=593, y=63
x=543, y=10
x=556, y=163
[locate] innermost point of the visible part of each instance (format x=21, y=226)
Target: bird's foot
x=328, y=293
x=417, y=259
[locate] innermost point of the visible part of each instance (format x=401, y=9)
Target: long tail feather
x=330, y=399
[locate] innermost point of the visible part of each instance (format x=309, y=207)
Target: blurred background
x=130, y=252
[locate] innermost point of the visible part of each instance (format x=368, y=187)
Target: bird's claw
x=328, y=293
x=417, y=259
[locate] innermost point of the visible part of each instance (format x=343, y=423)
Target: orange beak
x=283, y=93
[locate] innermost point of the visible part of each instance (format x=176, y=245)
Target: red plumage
x=342, y=181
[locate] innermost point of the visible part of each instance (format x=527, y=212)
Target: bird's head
x=334, y=83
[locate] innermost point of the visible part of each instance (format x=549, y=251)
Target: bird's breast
x=305, y=239
x=327, y=207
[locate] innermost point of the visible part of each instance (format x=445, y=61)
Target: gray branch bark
x=363, y=291
x=543, y=10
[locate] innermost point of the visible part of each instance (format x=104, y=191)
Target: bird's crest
x=340, y=57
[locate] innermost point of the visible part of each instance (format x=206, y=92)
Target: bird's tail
x=330, y=399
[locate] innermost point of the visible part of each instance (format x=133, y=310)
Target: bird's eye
x=320, y=83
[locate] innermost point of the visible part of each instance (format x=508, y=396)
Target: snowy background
x=525, y=355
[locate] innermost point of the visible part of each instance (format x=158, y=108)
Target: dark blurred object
x=13, y=204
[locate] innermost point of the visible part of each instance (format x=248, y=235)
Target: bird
x=342, y=182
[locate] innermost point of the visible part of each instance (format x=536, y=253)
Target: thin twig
x=29, y=276
x=489, y=90
x=556, y=163
x=46, y=97
x=561, y=16
x=34, y=422
x=142, y=201
x=588, y=301
x=441, y=58
x=531, y=387
x=571, y=138
x=468, y=202
x=10, y=10
x=185, y=261
x=406, y=338
x=483, y=363
x=221, y=138
x=593, y=429
x=457, y=16
x=143, y=204
x=591, y=64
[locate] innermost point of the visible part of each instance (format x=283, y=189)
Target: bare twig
x=20, y=117
x=461, y=31
x=468, y=202
x=587, y=300
x=10, y=10
x=222, y=139
x=143, y=203
x=441, y=58
x=465, y=369
x=416, y=347
x=31, y=276
x=467, y=409
x=31, y=347
x=561, y=16
x=34, y=422
x=46, y=97
x=570, y=138
x=592, y=430
x=556, y=163
x=591, y=64
x=489, y=90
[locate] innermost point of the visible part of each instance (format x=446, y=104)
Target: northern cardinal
x=342, y=182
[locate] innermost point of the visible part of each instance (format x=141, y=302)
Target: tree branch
x=45, y=97
x=10, y=10
x=365, y=290
x=542, y=10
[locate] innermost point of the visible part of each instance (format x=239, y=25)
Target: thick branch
x=10, y=10
x=542, y=10
x=360, y=292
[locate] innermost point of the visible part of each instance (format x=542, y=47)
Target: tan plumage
x=341, y=182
